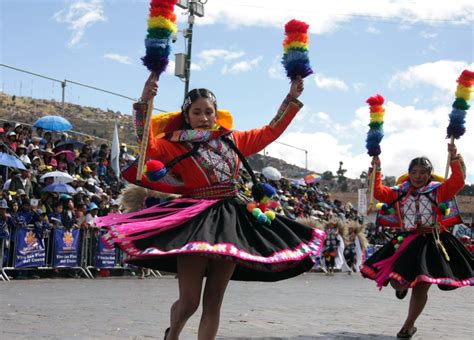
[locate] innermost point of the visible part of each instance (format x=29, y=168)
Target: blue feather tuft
x=457, y=121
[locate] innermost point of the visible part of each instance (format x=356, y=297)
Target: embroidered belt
x=214, y=192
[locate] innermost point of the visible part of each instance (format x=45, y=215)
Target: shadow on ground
x=323, y=335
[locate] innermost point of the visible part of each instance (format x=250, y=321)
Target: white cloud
x=440, y=74
x=208, y=57
x=372, y=30
x=241, y=66
x=79, y=16
x=409, y=132
x=329, y=83
x=359, y=86
x=428, y=35
x=324, y=17
x=119, y=58
x=276, y=70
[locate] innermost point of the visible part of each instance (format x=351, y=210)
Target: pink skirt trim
x=131, y=227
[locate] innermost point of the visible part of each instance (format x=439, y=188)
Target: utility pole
x=196, y=8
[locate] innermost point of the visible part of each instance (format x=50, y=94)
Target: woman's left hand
x=297, y=87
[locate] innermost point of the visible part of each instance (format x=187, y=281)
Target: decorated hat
x=165, y=123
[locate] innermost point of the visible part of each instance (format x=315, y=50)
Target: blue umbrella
x=53, y=123
x=11, y=161
x=60, y=187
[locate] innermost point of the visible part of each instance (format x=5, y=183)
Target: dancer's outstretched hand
x=297, y=87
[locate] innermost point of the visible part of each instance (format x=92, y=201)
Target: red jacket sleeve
x=454, y=183
x=382, y=192
x=252, y=141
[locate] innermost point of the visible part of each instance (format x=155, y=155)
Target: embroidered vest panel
x=217, y=161
x=417, y=211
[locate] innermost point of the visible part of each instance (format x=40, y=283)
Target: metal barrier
x=92, y=254
x=47, y=240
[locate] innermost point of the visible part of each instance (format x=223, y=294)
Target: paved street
x=311, y=306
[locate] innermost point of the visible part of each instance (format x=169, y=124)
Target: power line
x=65, y=81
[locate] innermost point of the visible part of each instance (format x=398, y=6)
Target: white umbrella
x=271, y=173
x=59, y=177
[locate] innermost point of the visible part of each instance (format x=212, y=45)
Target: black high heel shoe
x=166, y=332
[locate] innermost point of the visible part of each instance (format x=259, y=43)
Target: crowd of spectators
x=96, y=186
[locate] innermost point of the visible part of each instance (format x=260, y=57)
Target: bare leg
x=191, y=271
x=419, y=297
x=218, y=277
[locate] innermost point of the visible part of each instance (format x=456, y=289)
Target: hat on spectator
x=34, y=147
x=78, y=178
x=48, y=150
x=11, y=133
x=2, y=130
x=92, y=206
x=90, y=181
x=36, y=139
x=3, y=204
x=114, y=203
x=17, y=125
x=20, y=192
x=87, y=169
x=64, y=197
x=21, y=146
x=89, y=139
x=79, y=190
x=64, y=134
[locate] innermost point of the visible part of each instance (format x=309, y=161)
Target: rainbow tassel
x=161, y=25
x=457, y=117
x=295, y=50
x=375, y=134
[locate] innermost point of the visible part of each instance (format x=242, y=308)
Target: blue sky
x=411, y=52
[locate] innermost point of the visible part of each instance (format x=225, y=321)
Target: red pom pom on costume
x=154, y=165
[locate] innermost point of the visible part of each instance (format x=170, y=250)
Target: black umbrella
x=70, y=142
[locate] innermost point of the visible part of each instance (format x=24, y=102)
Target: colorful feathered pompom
x=260, y=208
x=161, y=25
x=154, y=170
x=295, y=50
x=375, y=134
x=457, y=117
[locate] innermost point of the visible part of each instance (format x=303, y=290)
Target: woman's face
x=419, y=176
x=202, y=114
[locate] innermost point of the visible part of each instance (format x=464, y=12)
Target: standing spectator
x=11, y=140
x=56, y=217
x=21, y=153
x=92, y=210
x=23, y=181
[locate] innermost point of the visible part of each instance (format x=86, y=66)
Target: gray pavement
x=311, y=306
